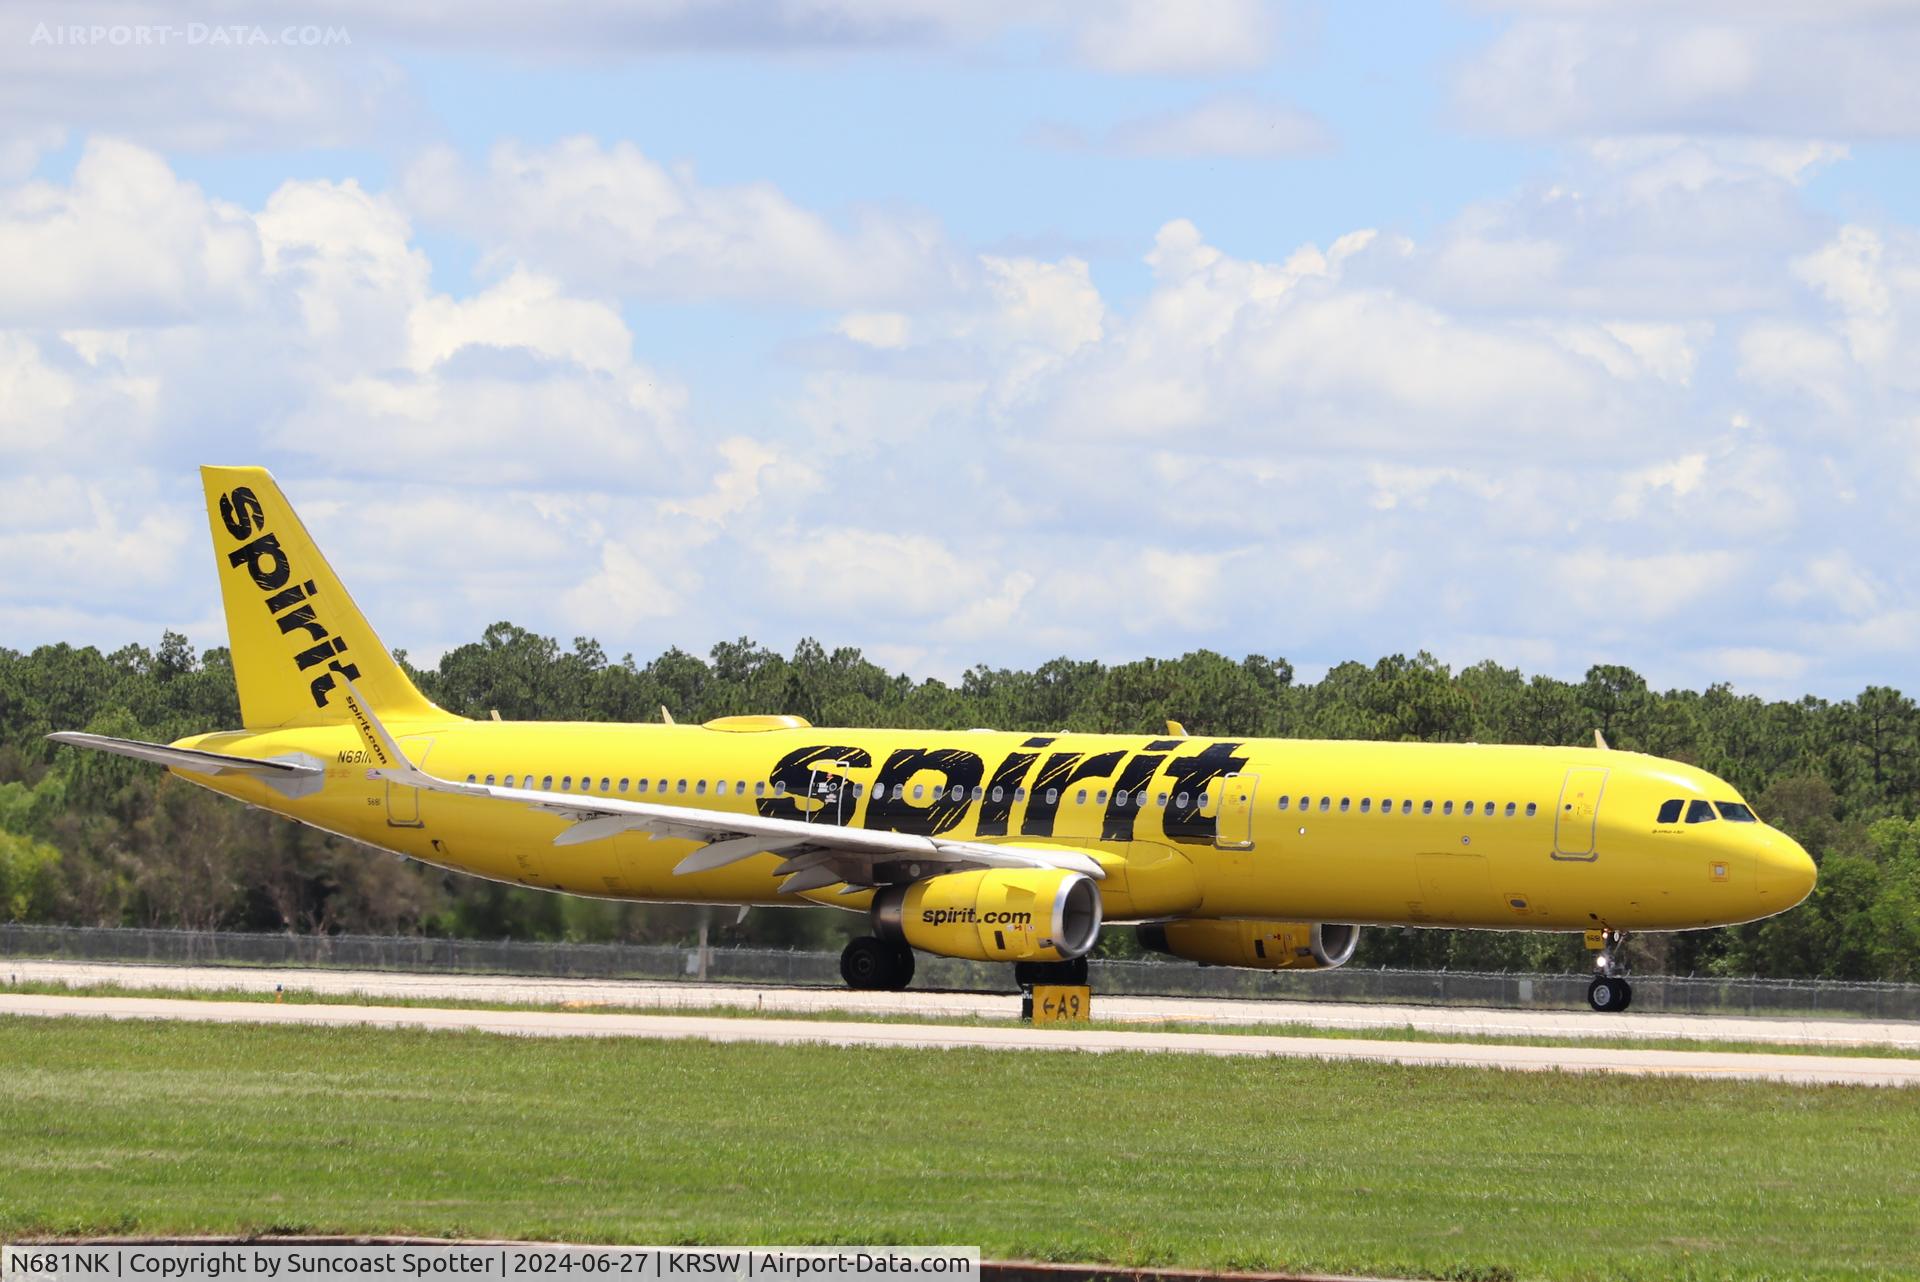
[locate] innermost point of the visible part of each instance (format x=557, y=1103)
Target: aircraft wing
x=816, y=855
x=282, y=773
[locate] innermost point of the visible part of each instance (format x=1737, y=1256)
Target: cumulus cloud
x=610, y=219
x=1699, y=67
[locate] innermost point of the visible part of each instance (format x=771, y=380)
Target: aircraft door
x=1233, y=822
x=403, y=803
x=1577, y=820
x=834, y=791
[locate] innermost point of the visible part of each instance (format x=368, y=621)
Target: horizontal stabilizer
x=291, y=776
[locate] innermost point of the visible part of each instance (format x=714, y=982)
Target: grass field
x=1388, y=1033
x=162, y=1128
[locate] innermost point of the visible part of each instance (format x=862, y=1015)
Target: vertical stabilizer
x=297, y=637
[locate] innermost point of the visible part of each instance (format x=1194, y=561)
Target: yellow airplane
x=982, y=844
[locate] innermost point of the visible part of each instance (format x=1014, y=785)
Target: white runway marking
x=1798, y=1069
x=1454, y=1021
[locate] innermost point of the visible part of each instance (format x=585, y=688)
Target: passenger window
x=566, y=783
x=547, y=783
x=1530, y=809
x=640, y=786
x=1120, y=797
x=606, y=783
x=1019, y=794
x=999, y=794
x=1509, y=810
x=720, y=789
x=1345, y=802
x=1326, y=804
x=1670, y=811
x=779, y=787
x=699, y=787
x=1734, y=812
x=472, y=779
x=959, y=793
x=1161, y=801
x=740, y=787
x=978, y=792
x=1446, y=807
x=1053, y=796
x=1366, y=805
x=1426, y=807
x=1468, y=810
x=1487, y=809
x=760, y=788
x=1181, y=801
x=1204, y=799
x=623, y=785
x=899, y=791
x=1406, y=807
x=507, y=782
x=1386, y=805
x=1700, y=812
x=680, y=785
x=662, y=788
x=1284, y=801
x=1100, y=798
x=1081, y=799
x=489, y=781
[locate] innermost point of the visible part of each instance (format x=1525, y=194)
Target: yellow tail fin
x=297, y=636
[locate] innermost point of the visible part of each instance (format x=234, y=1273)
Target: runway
x=1795, y=1069
x=1145, y=1011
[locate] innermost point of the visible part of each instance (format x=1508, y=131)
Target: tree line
x=91, y=839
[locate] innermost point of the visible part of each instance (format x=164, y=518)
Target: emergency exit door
x=1233, y=822
x=403, y=802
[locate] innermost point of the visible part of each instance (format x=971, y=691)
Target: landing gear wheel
x=900, y=973
x=1027, y=974
x=864, y=963
x=1609, y=993
x=875, y=964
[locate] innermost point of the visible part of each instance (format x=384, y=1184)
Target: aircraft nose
x=1783, y=873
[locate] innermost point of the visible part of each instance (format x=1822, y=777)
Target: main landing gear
x=1610, y=990
x=870, y=963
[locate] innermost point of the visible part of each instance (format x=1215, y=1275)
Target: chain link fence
x=1677, y=994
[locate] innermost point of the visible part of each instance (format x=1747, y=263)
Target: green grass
x=1393, y=1033
x=164, y=1128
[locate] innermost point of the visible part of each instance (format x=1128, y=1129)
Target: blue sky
x=1548, y=331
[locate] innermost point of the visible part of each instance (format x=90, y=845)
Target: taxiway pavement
x=1452, y=1021
x=1793, y=1068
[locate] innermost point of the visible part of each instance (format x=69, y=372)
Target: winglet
x=1175, y=730
x=666, y=716
x=1600, y=741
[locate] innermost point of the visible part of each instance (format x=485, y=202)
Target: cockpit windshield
x=1735, y=812
x=1700, y=812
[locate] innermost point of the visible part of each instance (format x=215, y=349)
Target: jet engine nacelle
x=1261, y=945
x=994, y=914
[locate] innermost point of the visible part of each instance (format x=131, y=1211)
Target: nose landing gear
x=1610, y=990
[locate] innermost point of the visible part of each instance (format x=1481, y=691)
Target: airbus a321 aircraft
x=984, y=844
